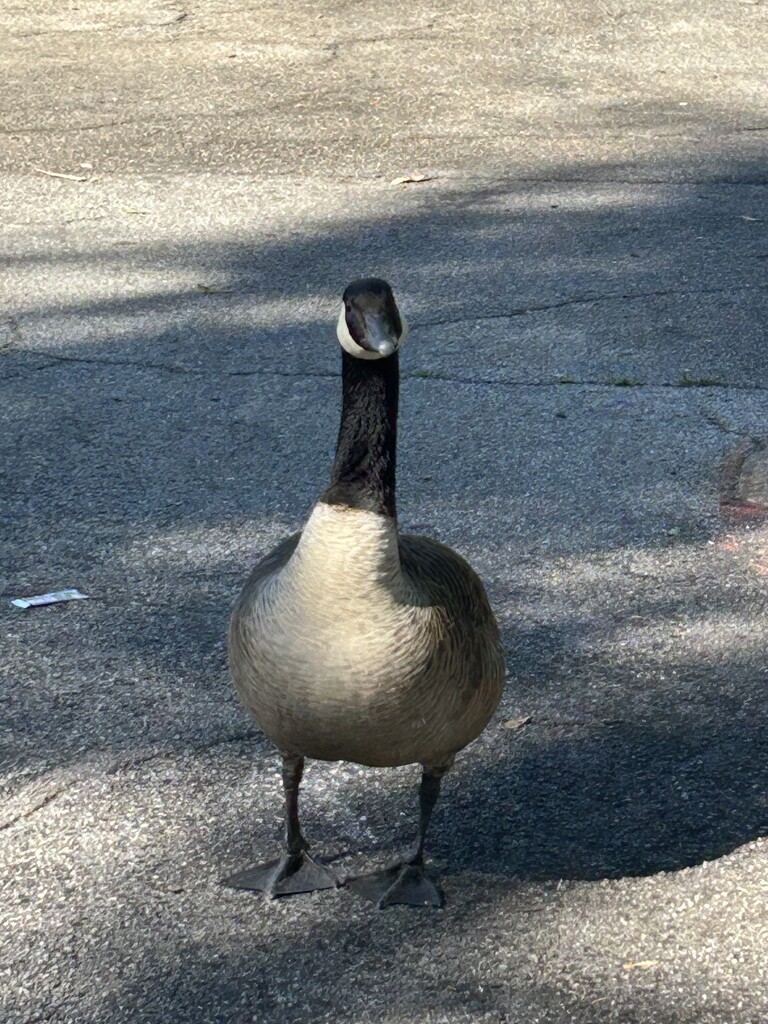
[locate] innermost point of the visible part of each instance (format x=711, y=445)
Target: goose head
x=370, y=324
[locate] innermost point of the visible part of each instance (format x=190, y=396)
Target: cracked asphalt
x=187, y=188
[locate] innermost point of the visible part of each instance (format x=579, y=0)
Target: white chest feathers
x=344, y=556
x=340, y=609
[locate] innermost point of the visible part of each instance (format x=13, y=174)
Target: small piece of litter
x=412, y=179
x=517, y=723
x=53, y=598
x=213, y=289
x=641, y=965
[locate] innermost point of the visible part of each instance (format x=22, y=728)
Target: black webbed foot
x=293, y=873
x=403, y=883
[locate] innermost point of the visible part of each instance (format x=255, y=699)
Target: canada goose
x=352, y=642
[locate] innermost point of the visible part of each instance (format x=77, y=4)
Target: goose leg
x=295, y=871
x=407, y=881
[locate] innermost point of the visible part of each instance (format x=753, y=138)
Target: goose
x=351, y=641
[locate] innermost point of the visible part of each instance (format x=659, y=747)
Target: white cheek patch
x=403, y=332
x=349, y=344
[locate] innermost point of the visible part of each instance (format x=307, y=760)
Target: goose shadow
x=630, y=785
x=626, y=799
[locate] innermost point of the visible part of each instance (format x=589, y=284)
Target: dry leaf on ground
x=517, y=723
x=412, y=179
x=641, y=965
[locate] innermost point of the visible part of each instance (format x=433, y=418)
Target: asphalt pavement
x=570, y=202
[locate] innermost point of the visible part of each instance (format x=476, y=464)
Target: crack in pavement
x=685, y=383
x=56, y=359
x=515, y=311
x=578, y=300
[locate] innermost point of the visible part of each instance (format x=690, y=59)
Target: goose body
x=353, y=642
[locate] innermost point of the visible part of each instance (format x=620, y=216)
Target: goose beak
x=378, y=335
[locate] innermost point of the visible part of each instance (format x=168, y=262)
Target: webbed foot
x=291, y=874
x=402, y=883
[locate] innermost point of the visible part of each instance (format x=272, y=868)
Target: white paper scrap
x=53, y=598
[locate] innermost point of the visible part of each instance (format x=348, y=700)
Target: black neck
x=363, y=473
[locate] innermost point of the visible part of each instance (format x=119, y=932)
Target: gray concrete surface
x=584, y=411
